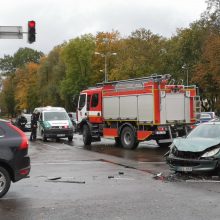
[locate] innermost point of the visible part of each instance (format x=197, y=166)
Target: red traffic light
x=31, y=32
x=31, y=24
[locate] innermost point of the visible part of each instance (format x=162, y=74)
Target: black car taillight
x=24, y=141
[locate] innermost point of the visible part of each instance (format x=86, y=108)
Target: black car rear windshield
x=206, y=131
x=54, y=116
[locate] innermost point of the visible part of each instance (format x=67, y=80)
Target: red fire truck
x=135, y=110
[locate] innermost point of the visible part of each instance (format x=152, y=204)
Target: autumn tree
x=139, y=55
x=207, y=74
x=27, y=90
x=106, y=53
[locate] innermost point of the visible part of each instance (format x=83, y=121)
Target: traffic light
x=31, y=32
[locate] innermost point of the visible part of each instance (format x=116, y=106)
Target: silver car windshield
x=206, y=131
x=54, y=116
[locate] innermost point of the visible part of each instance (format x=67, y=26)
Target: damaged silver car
x=198, y=152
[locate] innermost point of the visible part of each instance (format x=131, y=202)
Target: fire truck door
x=95, y=108
x=83, y=106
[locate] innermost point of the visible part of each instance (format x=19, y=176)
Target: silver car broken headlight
x=211, y=153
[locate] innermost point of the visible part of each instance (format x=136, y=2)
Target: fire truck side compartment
x=175, y=107
x=136, y=107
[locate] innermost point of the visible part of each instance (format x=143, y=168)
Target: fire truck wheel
x=87, y=138
x=128, y=139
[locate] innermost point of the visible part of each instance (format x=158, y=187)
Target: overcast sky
x=60, y=20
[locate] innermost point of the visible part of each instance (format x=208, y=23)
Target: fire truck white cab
x=135, y=110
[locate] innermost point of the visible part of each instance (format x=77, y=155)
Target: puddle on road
x=144, y=153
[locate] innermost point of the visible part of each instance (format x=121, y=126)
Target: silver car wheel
x=2, y=182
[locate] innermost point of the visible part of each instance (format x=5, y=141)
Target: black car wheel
x=70, y=138
x=5, y=181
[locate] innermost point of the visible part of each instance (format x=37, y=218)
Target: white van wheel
x=43, y=137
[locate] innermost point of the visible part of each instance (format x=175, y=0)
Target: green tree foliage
x=26, y=55
x=9, y=64
x=6, y=64
x=77, y=56
x=211, y=15
x=8, y=95
x=185, y=50
x=50, y=75
x=139, y=55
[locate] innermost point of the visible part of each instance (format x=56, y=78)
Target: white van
x=53, y=122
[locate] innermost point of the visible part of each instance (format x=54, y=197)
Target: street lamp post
x=105, y=57
x=185, y=67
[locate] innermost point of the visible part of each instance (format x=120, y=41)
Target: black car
x=23, y=122
x=14, y=159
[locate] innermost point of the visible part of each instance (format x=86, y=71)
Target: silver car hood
x=195, y=144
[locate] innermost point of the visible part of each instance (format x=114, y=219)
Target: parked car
x=53, y=122
x=205, y=117
x=14, y=159
x=27, y=126
x=199, y=151
x=23, y=122
x=73, y=119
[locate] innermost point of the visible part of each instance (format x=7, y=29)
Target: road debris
x=123, y=178
x=110, y=177
x=187, y=177
x=54, y=178
x=64, y=180
x=159, y=176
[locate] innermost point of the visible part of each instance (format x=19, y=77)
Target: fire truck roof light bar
x=154, y=77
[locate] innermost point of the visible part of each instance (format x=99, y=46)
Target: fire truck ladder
x=197, y=102
x=154, y=77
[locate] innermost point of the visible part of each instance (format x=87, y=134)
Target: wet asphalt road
x=105, y=182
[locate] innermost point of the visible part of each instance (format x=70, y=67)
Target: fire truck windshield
x=82, y=101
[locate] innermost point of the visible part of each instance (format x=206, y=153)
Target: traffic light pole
x=15, y=32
